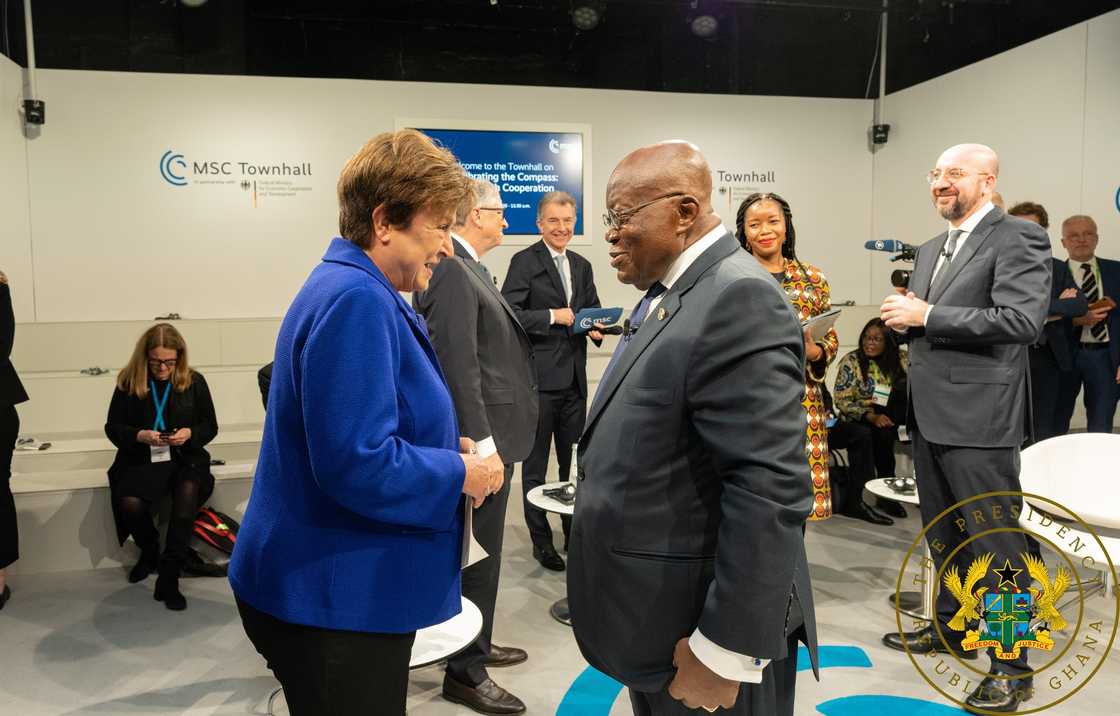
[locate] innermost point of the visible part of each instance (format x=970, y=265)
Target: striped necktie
x=1092, y=291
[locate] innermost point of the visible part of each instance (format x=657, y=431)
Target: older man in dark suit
x=487, y=359
x=547, y=285
x=979, y=296
x=687, y=576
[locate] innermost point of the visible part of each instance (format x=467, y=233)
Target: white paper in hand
x=822, y=324
x=472, y=550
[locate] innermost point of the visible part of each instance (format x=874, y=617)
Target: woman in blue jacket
x=351, y=540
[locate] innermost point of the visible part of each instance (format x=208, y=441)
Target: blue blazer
x=355, y=519
x=1059, y=335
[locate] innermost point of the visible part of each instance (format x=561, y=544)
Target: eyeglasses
x=157, y=363
x=874, y=339
x=500, y=209
x=617, y=219
x=952, y=175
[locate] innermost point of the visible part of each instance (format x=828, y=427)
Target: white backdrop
x=113, y=240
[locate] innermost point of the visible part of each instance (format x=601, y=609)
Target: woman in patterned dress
x=764, y=226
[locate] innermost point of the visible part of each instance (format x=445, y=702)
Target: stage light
x=704, y=26
x=193, y=3
x=586, y=15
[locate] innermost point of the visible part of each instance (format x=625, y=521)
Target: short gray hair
x=1078, y=217
x=483, y=191
x=562, y=198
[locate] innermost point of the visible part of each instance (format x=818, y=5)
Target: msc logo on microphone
x=169, y=165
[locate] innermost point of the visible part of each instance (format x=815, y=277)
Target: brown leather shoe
x=505, y=656
x=486, y=698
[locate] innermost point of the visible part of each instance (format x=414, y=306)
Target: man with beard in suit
x=978, y=297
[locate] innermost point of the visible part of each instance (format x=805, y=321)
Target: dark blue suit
x=1095, y=365
x=355, y=521
x=1054, y=352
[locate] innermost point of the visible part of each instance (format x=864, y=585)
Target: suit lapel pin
x=661, y=313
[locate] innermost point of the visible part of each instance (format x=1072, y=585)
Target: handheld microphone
x=611, y=330
x=888, y=245
x=626, y=330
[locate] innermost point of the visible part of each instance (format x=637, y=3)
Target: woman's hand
x=485, y=476
x=881, y=421
x=813, y=352
x=181, y=436
x=149, y=437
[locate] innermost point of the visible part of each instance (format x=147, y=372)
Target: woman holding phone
x=161, y=418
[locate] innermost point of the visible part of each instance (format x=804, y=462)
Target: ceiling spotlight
x=704, y=26
x=193, y=3
x=586, y=15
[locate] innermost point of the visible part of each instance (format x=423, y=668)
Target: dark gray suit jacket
x=693, y=482
x=968, y=365
x=484, y=353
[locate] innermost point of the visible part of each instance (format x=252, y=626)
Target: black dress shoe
x=1000, y=695
x=486, y=698
x=548, y=558
x=505, y=656
x=890, y=507
x=863, y=511
x=925, y=641
x=5, y=596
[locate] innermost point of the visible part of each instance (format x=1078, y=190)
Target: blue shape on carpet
x=591, y=694
x=884, y=706
x=833, y=657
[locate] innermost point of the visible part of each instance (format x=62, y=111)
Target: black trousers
x=947, y=474
x=855, y=438
x=773, y=697
x=480, y=585
x=1047, y=379
x=327, y=672
x=560, y=422
x=9, y=530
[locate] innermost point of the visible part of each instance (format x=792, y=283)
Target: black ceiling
x=815, y=48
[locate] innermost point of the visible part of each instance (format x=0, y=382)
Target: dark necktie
x=1092, y=291
x=949, y=251
x=636, y=317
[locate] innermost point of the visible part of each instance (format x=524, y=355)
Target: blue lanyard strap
x=160, y=404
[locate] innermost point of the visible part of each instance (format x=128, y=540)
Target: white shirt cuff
x=925, y=318
x=551, y=317
x=486, y=447
x=728, y=664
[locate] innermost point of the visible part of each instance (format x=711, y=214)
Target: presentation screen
x=524, y=165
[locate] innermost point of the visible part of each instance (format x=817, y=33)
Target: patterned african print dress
x=810, y=296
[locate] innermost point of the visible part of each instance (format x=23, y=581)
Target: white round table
x=922, y=606
x=437, y=642
x=537, y=498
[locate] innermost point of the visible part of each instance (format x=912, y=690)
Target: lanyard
x=160, y=404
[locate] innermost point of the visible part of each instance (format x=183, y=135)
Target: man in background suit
x=547, y=285
x=1096, y=335
x=979, y=296
x=1051, y=358
x=687, y=545
x=487, y=359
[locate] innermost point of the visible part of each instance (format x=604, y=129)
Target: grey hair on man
x=483, y=192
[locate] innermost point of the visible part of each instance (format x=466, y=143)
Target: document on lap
x=588, y=317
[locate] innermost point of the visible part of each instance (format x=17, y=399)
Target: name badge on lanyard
x=160, y=453
x=881, y=394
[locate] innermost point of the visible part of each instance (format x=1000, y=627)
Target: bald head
x=965, y=180
x=976, y=157
x=661, y=199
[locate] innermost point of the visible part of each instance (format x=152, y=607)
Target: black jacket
x=532, y=286
x=11, y=389
x=128, y=415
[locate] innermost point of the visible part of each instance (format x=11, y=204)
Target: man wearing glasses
x=487, y=360
x=547, y=284
x=978, y=297
x=688, y=580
